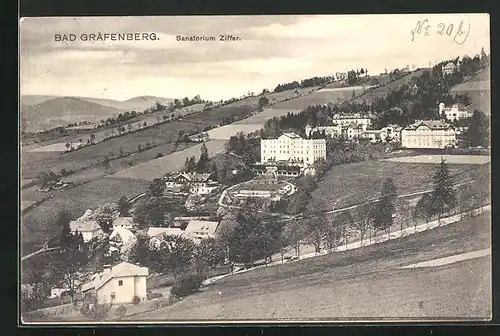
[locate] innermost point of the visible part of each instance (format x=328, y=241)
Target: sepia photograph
x=255, y=169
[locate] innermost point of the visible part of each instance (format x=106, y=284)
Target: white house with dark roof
x=356, y=119
x=119, y=284
x=429, y=134
x=450, y=68
x=291, y=148
x=89, y=229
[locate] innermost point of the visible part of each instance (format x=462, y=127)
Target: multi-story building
x=364, y=121
x=196, y=183
x=292, y=149
x=450, y=68
x=454, y=112
x=429, y=134
x=332, y=131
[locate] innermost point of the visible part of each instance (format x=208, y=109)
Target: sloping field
x=320, y=97
x=150, y=170
x=248, y=125
x=33, y=162
x=357, y=284
x=39, y=223
x=383, y=90
x=436, y=159
x=478, y=88
x=348, y=184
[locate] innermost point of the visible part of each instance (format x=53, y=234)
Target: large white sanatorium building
x=292, y=148
x=428, y=134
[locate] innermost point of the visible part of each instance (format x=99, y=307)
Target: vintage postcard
x=223, y=169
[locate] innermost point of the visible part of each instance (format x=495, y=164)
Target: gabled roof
x=86, y=226
x=123, y=269
x=292, y=135
x=125, y=234
x=123, y=221
x=431, y=124
x=199, y=226
x=160, y=231
x=450, y=65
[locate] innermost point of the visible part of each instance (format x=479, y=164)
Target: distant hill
x=63, y=110
x=137, y=103
x=29, y=100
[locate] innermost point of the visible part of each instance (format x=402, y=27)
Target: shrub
x=121, y=311
x=152, y=296
x=95, y=311
x=159, y=155
x=186, y=285
x=136, y=300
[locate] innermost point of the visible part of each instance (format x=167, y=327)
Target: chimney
x=107, y=269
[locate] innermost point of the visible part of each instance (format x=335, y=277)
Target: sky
x=272, y=50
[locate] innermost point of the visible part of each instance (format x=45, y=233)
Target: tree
x=92, y=138
x=345, y=222
x=105, y=214
x=477, y=133
x=68, y=146
x=194, y=203
x=176, y=254
x=362, y=220
x=71, y=256
x=123, y=206
x=352, y=77
x=208, y=254
x=190, y=164
x=423, y=209
x=201, y=165
x=298, y=202
x=443, y=195
x=316, y=228
x=404, y=213
x=106, y=164
x=263, y=101
x=383, y=217
x=47, y=179
x=295, y=234
x=157, y=187
x=140, y=252
x=333, y=234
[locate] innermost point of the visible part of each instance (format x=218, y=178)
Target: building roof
x=450, y=66
x=432, y=124
x=192, y=177
x=292, y=135
x=160, y=231
x=84, y=226
x=125, y=234
x=199, y=226
x=123, y=221
x=123, y=269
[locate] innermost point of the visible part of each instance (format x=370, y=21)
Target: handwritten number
x=441, y=26
x=449, y=30
x=418, y=28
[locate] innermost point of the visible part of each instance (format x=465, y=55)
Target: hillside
x=384, y=89
x=29, y=100
x=63, y=110
x=479, y=90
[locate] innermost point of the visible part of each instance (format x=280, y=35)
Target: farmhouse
x=89, y=229
x=157, y=234
x=429, y=134
x=292, y=149
x=196, y=183
x=120, y=284
x=201, y=229
x=454, y=112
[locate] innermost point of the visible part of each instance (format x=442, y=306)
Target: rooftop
x=123, y=269
x=200, y=226
x=432, y=124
